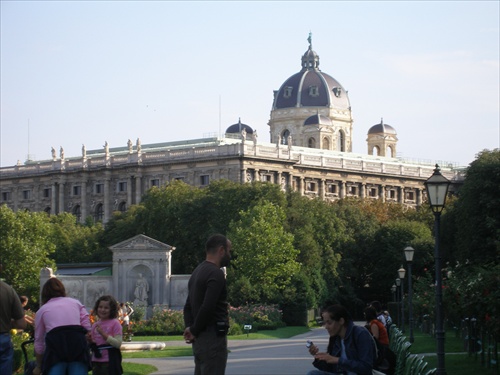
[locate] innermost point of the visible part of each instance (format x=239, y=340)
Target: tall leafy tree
x=478, y=211
x=76, y=243
x=264, y=252
x=25, y=249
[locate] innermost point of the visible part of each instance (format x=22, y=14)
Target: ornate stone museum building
x=309, y=151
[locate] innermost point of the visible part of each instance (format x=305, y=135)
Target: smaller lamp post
x=398, y=298
x=402, y=273
x=409, y=252
x=393, y=290
x=437, y=189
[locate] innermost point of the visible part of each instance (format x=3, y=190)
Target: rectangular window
x=373, y=192
x=204, y=180
x=266, y=178
x=311, y=186
x=5, y=196
x=122, y=187
x=77, y=190
x=26, y=194
x=99, y=188
x=155, y=182
x=392, y=194
x=410, y=195
x=353, y=190
x=47, y=192
x=332, y=189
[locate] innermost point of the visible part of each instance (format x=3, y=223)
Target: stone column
x=342, y=192
x=53, y=199
x=138, y=190
x=322, y=188
x=107, y=210
x=61, y=195
x=382, y=192
x=362, y=193
x=401, y=194
x=243, y=175
x=301, y=185
x=84, y=201
x=129, y=192
x=15, y=197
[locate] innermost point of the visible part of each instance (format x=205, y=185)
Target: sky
x=90, y=72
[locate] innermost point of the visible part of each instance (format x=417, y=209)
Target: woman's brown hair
x=51, y=289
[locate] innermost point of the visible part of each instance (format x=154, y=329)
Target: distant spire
x=381, y=121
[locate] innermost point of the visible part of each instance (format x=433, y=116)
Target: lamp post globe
x=437, y=189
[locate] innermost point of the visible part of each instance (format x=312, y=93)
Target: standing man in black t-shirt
x=205, y=312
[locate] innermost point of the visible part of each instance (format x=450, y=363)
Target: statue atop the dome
x=309, y=39
x=53, y=150
x=129, y=145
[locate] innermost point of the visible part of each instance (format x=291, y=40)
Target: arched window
x=284, y=137
x=376, y=151
x=122, y=207
x=311, y=143
x=390, y=152
x=99, y=213
x=341, y=141
x=326, y=144
x=77, y=212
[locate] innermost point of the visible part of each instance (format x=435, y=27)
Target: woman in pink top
x=61, y=325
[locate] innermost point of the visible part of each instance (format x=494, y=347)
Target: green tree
x=478, y=211
x=75, y=243
x=264, y=253
x=25, y=248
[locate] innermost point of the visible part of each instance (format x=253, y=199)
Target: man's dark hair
x=214, y=242
x=338, y=312
x=377, y=305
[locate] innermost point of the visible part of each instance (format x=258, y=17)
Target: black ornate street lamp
x=437, y=189
x=398, y=298
x=409, y=251
x=393, y=290
x=402, y=273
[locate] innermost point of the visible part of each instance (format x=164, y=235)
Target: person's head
x=24, y=300
x=377, y=305
x=370, y=313
x=52, y=288
x=336, y=318
x=106, y=307
x=218, y=248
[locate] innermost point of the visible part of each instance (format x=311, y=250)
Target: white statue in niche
x=141, y=290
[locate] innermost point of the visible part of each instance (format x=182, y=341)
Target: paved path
x=251, y=357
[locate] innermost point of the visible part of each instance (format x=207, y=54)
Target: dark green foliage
x=25, y=249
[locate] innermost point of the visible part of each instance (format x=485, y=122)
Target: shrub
x=162, y=322
x=261, y=317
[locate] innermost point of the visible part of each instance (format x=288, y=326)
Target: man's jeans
x=210, y=353
x=6, y=354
